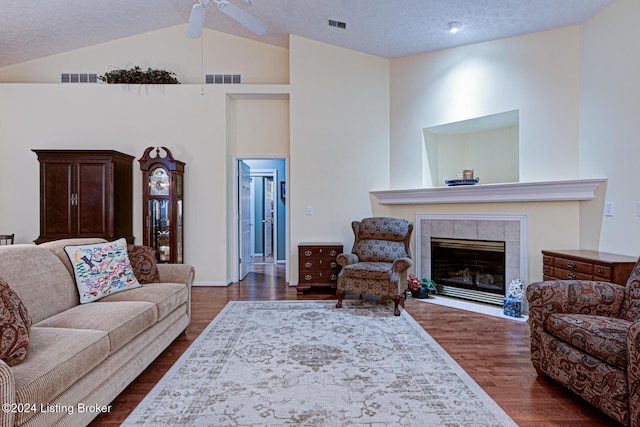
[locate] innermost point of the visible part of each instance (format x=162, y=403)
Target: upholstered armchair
x=379, y=260
x=586, y=335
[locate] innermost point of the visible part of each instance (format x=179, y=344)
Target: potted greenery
x=421, y=288
x=136, y=75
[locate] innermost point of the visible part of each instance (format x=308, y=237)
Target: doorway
x=262, y=232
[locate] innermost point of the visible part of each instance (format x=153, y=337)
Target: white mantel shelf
x=547, y=191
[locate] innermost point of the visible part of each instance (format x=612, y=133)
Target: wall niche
x=489, y=145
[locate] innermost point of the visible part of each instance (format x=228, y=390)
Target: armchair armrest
x=402, y=264
x=345, y=259
x=568, y=296
x=633, y=369
x=7, y=393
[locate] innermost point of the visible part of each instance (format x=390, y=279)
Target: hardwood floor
x=495, y=352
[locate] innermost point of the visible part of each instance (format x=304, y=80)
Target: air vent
x=223, y=79
x=337, y=24
x=78, y=78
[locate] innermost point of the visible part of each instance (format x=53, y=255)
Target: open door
x=268, y=217
x=244, y=218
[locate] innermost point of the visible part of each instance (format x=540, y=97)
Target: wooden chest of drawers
x=587, y=265
x=317, y=265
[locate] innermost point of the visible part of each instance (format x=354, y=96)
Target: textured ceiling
x=31, y=29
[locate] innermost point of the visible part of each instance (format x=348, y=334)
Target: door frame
x=235, y=253
x=273, y=174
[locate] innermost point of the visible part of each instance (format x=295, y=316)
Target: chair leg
x=340, y=295
x=396, y=310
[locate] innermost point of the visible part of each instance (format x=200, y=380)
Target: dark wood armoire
x=85, y=193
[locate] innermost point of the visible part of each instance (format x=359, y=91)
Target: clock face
x=159, y=182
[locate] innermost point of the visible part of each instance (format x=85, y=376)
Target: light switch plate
x=608, y=209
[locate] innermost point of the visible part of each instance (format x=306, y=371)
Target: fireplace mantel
x=570, y=190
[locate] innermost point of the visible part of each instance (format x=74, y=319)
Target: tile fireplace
x=472, y=256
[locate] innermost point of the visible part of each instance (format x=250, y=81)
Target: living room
x=348, y=124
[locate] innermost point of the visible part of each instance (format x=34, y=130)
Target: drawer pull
x=600, y=271
x=547, y=269
x=334, y=253
x=308, y=253
x=308, y=264
x=307, y=277
x=333, y=264
x=571, y=265
x=571, y=275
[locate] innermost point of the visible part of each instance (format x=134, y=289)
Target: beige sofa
x=81, y=356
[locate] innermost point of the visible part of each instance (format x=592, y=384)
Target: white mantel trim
x=570, y=190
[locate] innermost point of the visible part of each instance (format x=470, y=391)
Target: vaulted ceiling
x=30, y=29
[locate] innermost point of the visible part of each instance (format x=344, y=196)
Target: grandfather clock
x=162, y=195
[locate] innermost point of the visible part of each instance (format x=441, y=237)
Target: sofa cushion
x=600, y=336
x=369, y=270
x=143, y=262
x=56, y=360
x=122, y=320
x=166, y=296
x=41, y=280
x=101, y=269
x=15, y=322
x=57, y=248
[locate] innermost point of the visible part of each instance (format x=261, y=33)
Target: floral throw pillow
x=143, y=261
x=101, y=269
x=15, y=322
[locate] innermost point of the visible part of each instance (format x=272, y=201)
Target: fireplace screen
x=475, y=265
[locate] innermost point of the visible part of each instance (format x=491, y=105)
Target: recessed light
x=454, y=26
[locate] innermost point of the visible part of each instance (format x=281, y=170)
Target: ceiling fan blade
x=196, y=21
x=249, y=21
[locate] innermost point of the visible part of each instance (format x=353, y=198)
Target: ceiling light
x=454, y=27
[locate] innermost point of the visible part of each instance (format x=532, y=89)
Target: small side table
x=317, y=265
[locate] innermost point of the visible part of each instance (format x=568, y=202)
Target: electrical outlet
x=608, y=209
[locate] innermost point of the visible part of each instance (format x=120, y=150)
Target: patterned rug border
x=349, y=306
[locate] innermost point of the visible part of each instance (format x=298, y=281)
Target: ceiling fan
x=196, y=19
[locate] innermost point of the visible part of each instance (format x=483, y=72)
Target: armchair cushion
x=600, y=336
x=379, y=250
x=369, y=270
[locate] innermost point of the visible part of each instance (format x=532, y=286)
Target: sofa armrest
x=402, y=264
x=177, y=273
x=7, y=394
x=568, y=296
x=346, y=259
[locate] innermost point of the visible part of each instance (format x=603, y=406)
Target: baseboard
x=213, y=284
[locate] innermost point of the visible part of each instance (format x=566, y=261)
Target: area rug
x=306, y=363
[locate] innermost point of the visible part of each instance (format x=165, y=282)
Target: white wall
x=536, y=74
x=610, y=118
x=166, y=49
x=339, y=140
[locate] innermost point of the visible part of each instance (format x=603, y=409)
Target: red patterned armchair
x=586, y=335
x=379, y=260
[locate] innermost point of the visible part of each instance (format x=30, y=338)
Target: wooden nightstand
x=317, y=265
